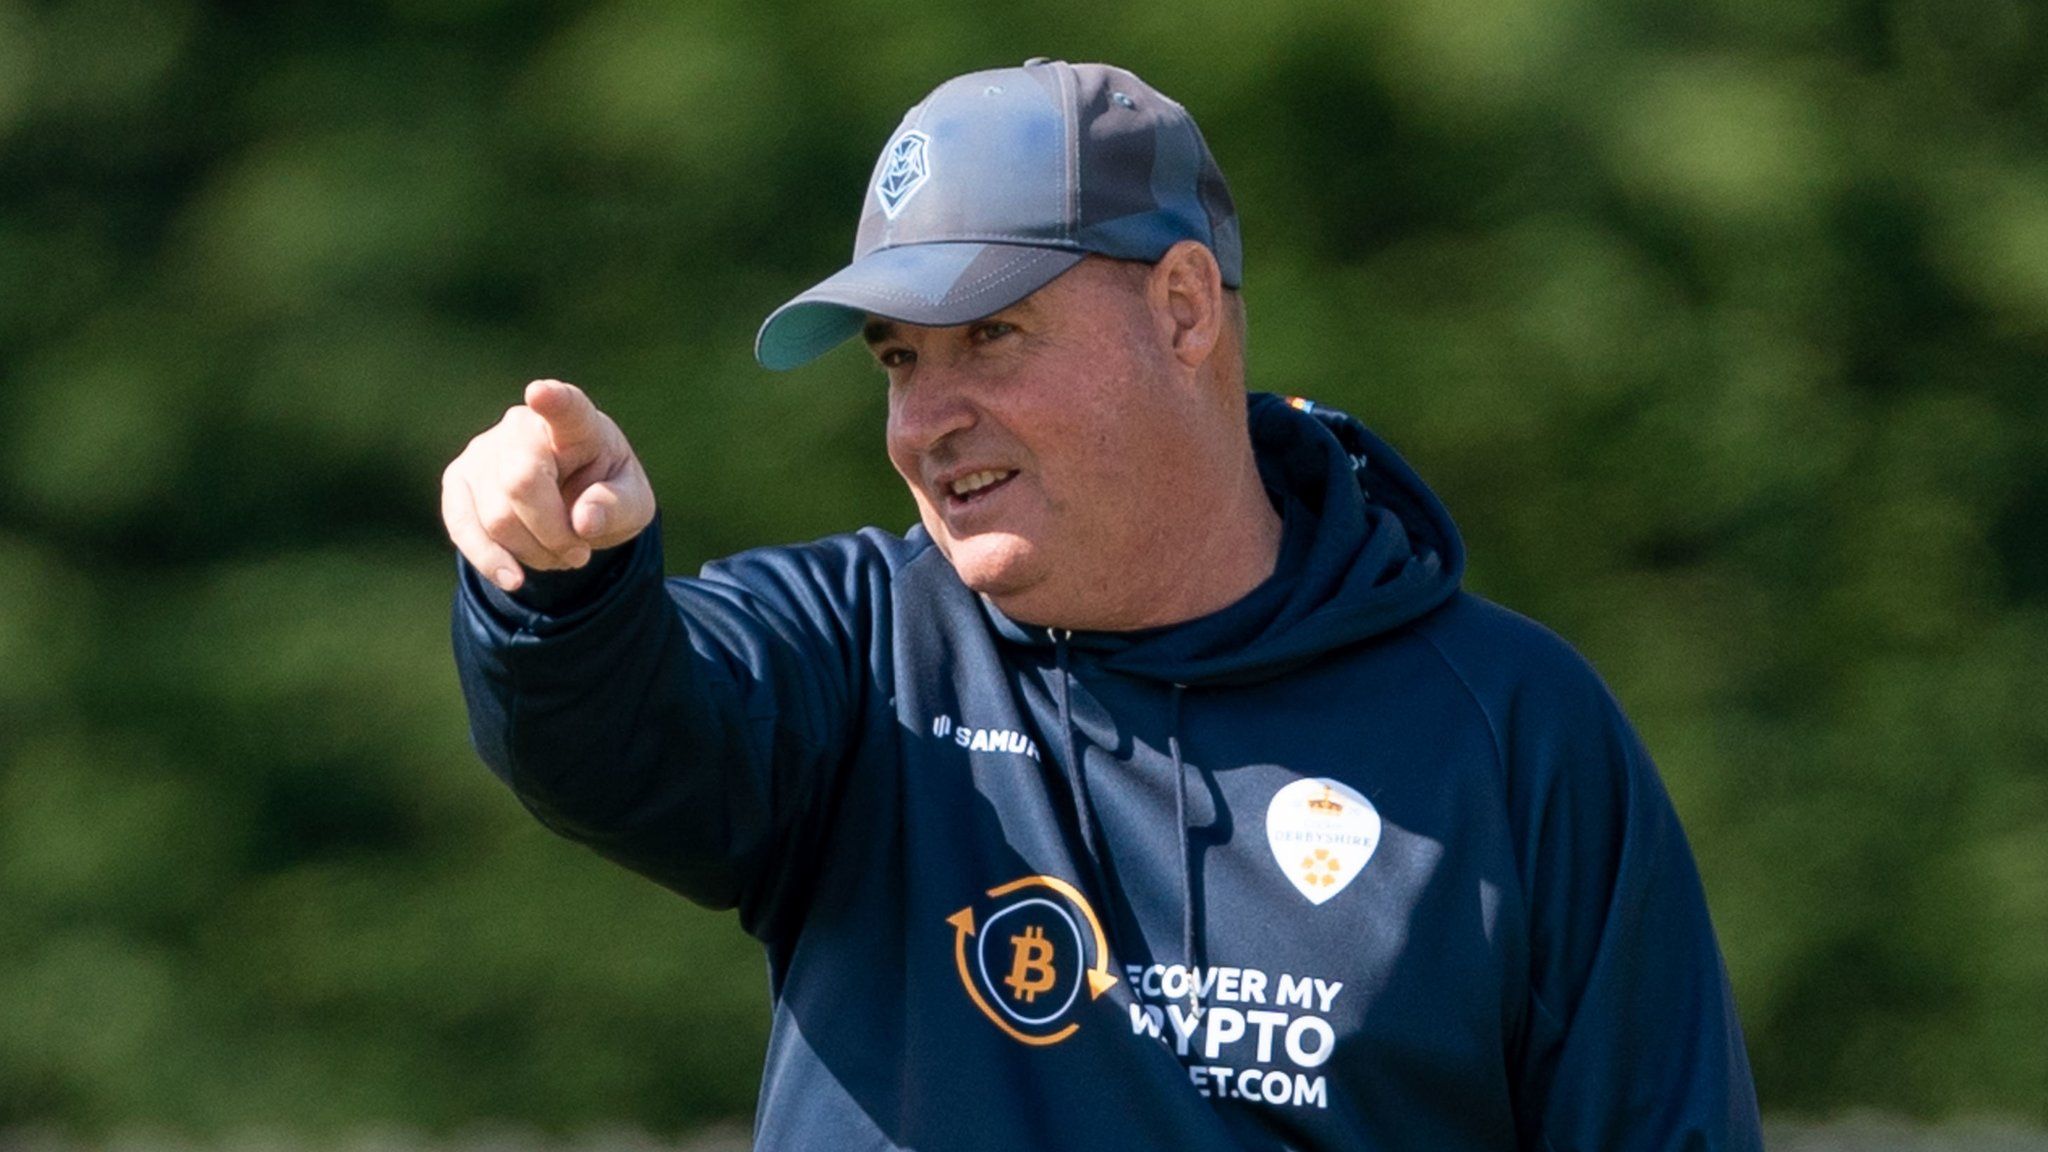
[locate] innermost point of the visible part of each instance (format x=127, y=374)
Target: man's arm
x=689, y=729
x=1629, y=1040
x=1632, y=1039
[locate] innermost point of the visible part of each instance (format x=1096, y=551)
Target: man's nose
x=930, y=408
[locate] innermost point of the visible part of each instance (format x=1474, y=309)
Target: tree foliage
x=1721, y=326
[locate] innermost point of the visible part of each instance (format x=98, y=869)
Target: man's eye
x=895, y=357
x=990, y=330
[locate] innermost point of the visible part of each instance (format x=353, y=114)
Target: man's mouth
x=977, y=485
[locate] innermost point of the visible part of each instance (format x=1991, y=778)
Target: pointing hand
x=552, y=481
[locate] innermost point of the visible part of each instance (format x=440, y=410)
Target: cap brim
x=929, y=284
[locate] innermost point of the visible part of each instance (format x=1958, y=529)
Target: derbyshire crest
x=1322, y=833
x=1035, y=951
x=905, y=171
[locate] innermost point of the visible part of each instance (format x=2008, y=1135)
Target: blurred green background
x=1721, y=325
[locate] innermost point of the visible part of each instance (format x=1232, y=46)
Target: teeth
x=977, y=482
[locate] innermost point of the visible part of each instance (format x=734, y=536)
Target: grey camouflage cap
x=1001, y=180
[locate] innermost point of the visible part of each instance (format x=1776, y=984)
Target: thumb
x=573, y=421
x=613, y=510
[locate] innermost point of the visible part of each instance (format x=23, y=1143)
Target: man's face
x=1039, y=442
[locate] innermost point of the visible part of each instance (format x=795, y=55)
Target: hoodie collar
x=1366, y=547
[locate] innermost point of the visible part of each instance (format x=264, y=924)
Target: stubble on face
x=1078, y=399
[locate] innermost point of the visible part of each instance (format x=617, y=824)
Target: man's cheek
x=904, y=466
x=934, y=524
x=917, y=496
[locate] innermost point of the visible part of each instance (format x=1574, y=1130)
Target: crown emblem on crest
x=1326, y=803
x=907, y=168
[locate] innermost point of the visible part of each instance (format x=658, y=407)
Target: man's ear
x=1186, y=292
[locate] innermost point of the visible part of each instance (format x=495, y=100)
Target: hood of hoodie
x=1366, y=548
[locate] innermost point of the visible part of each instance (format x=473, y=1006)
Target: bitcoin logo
x=1031, y=929
x=1030, y=964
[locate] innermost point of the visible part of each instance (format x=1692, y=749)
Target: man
x=1161, y=790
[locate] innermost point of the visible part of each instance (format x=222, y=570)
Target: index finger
x=571, y=418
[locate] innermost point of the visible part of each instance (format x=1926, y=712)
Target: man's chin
x=997, y=565
x=1014, y=576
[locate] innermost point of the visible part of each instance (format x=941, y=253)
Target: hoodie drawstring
x=1077, y=784
x=1084, y=811
x=1186, y=834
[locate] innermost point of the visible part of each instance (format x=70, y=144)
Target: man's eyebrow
x=876, y=331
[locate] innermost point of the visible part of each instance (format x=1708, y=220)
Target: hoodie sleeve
x=1632, y=1041
x=691, y=730
x=1629, y=1041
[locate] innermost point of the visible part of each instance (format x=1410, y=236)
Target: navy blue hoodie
x=1361, y=861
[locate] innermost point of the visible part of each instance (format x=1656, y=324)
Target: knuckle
x=507, y=425
x=520, y=422
x=499, y=521
x=527, y=472
x=459, y=474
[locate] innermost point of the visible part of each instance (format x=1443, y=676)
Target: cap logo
x=906, y=170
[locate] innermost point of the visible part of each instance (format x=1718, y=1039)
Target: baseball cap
x=999, y=181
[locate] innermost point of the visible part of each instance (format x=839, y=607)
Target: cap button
x=1035, y=61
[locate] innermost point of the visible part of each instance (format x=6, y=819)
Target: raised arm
x=692, y=730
